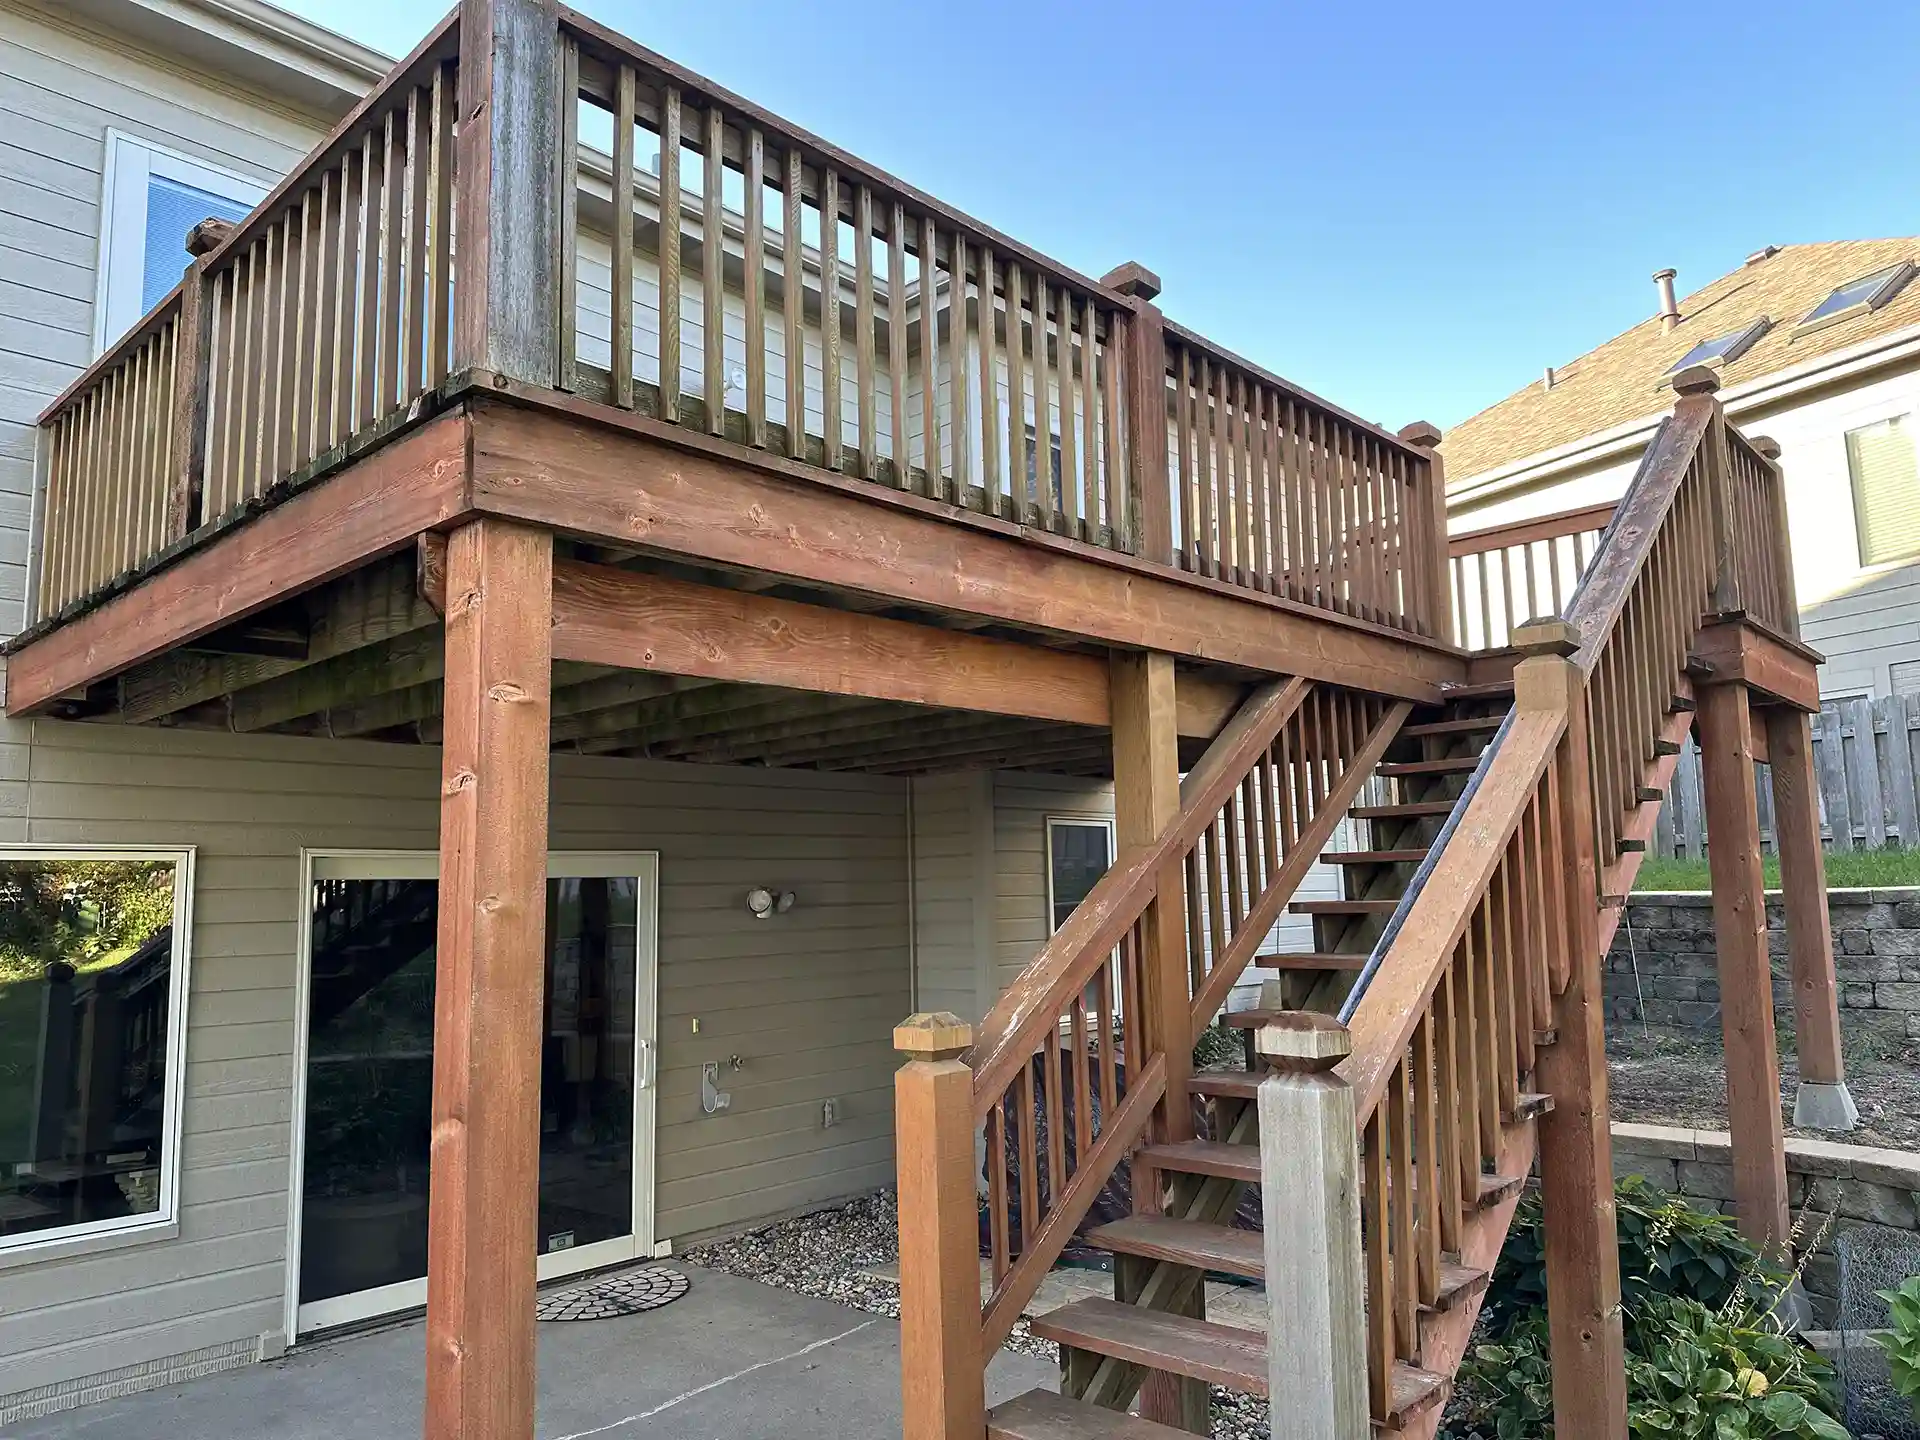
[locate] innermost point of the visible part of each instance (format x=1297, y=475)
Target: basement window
x=93, y=991
x=1869, y=292
x=1722, y=349
x=1078, y=854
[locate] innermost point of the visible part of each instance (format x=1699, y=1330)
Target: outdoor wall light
x=763, y=903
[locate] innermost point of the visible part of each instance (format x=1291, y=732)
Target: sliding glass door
x=364, y=1124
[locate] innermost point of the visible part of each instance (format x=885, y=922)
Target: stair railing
x=1066, y=1072
x=1446, y=1018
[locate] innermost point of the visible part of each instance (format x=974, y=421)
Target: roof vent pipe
x=1548, y=382
x=1669, y=307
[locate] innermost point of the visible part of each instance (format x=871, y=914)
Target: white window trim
x=131, y=162
x=1071, y=818
x=163, y=1222
x=1880, y=412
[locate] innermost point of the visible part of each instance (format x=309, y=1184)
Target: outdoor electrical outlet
x=712, y=1098
x=829, y=1114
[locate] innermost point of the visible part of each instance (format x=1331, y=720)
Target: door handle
x=649, y=1063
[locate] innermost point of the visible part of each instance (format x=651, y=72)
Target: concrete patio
x=731, y=1357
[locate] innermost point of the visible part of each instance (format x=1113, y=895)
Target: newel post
x=1576, y=1141
x=1438, y=566
x=1310, y=1204
x=942, y=1373
x=191, y=349
x=1149, y=493
x=508, y=207
x=1697, y=385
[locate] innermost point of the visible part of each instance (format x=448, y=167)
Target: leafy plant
x=1692, y=1374
x=1666, y=1248
x=1218, y=1045
x=1901, y=1340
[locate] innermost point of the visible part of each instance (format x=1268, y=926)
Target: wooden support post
x=192, y=346
x=1576, y=1143
x=1146, y=800
x=1149, y=493
x=1746, y=983
x=1438, y=570
x=1310, y=1200
x=507, y=312
x=1823, y=1101
x=942, y=1372
x=491, y=978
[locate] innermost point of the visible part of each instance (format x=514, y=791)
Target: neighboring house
x=1819, y=348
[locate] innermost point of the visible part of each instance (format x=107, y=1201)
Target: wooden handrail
x=1535, y=528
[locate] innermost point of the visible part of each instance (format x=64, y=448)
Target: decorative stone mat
x=628, y=1294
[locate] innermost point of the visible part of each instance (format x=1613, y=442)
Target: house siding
x=808, y=1000
x=1864, y=619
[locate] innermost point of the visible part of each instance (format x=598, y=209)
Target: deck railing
x=1506, y=575
x=722, y=271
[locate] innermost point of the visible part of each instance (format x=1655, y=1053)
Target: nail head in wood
x=1423, y=433
x=933, y=1035
x=1302, y=1040
x=1696, y=380
x=1550, y=636
x=1132, y=279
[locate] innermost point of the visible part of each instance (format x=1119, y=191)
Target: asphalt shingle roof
x=1623, y=380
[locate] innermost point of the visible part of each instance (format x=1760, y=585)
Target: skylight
x=1722, y=349
x=1869, y=292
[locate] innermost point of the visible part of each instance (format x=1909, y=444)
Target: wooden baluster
x=419, y=193
x=346, y=297
x=1196, y=922
x=621, y=258
x=316, y=390
x=1103, y=1016
x=1140, y=521
x=1489, y=1061
x=670, y=237
x=1426, y=1160
x=712, y=271
x=1205, y=550
x=897, y=338
x=1056, y=1120
x=832, y=402
x=1020, y=470
x=1082, y=1101
x=930, y=360
x=755, y=250
x=1454, y=1098
x=793, y=287
x=868, y=398
x=566, y=166
x=1401, y=1202
x=1045, y=495
x=998, y=1224
x=391, y=386
x=373, y=167
x=959, y=407
x=991, y=483
x=1027, y=1127
x=1183, y=423
x=1071, y=506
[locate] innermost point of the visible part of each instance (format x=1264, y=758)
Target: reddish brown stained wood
x=1526, y=532
x=1739, y=650
x=1803, y=879
x=374, y=508
x=610, y=481
x=489, y=994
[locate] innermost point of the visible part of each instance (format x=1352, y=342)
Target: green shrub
x=1705, y=1357
x=1666, y=1248
x=1901, y=1341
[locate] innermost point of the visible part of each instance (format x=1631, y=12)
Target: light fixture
x=763, y=903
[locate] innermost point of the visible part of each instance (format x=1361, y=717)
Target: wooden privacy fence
x=1864, y=759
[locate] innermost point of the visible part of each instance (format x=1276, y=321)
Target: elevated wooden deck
x=797, y=425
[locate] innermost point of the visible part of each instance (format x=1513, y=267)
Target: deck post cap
x=1696, y=380
x=1765, y=445
x=1423, y=433
x=1303, y=1040
x=1132, y=279
x=1549, y=636
x=933, y=1035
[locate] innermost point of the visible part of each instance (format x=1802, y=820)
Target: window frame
x=1893, y=279
x=1851, y=426
x=1738, y=342
x=163, y=1221
x=131, y=162
x=1091, y=818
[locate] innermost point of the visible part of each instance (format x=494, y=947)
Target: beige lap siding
x=807, y=999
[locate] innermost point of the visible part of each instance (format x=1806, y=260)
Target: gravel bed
x=828, y=1253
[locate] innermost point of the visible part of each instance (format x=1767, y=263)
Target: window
x=1886, y=490
x=1869, y=292
x=1722, y=349
x=1056, y=474
x=93, y=960
x=1078, y=854
x=152, y=198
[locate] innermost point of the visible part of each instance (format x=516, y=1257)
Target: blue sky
x=1408, y=207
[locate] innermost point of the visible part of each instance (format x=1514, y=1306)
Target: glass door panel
x=366, y=1127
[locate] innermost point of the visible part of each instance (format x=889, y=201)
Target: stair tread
x=1482, y=690
x=1235, y=1084
x=1311, y=960
x=1201, y=1349
x=1185, y=1242
x=1045, y=1415
x=1457, y=1283
x=1344, y=907
x=1205, y=1157
x=1414, y=1392
x=1447, y=765
x=1408, y=810
x=1375, y=857
x=1530, y=1106
x=1459, y=725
